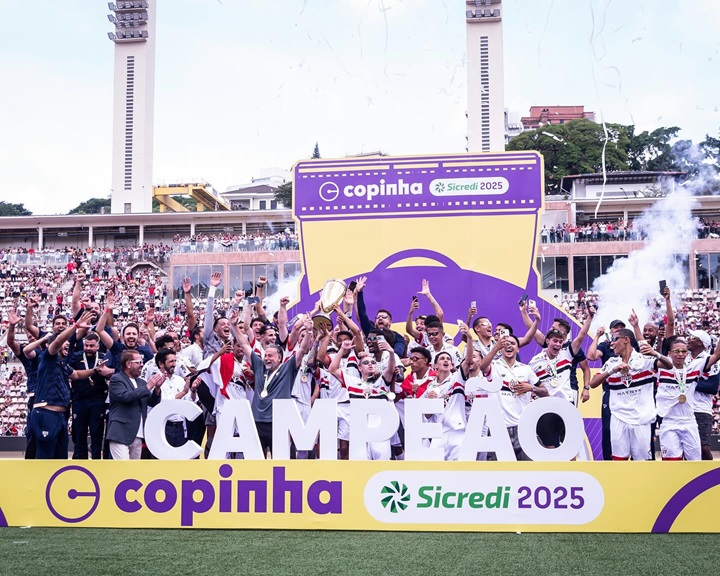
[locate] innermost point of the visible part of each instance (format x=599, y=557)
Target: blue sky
x=242, y=85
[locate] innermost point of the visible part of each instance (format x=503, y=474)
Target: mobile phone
x=248, y=292
x=532, y=303
x=473, y=304
x=522, y=300
x=352, y=286
x=663, y=285
x=460, y=322
x=504, y=332
x=380, y=339
x=415, y=299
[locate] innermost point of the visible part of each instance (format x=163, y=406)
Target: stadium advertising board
x=351, y=495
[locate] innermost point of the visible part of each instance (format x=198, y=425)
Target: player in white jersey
x=631, y=379
x=453, y=419
x=552, y=366
x=370, y=385
x=698, y=344
x=676, y=385
x=436, y=337
x=519, y=385
x=487, y=337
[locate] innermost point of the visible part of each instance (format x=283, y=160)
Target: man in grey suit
x=129, y=395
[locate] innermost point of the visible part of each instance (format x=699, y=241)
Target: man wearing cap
x=602, y=351
x=631, y=379
x=698, y=344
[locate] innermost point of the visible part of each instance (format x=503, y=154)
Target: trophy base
x=322, y=320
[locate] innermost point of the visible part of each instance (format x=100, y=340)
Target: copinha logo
x=396, y=496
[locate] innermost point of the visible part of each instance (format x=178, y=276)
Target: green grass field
x=97, y=552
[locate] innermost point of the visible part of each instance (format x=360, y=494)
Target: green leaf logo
x=395, y=496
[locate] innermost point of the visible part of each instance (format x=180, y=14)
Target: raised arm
x=106, y=338
x=670, y=327
x=490, y=356
x=283, y=319
x=414, y=333
x=189, y=307
x=353, y=328
x=530, y=334
x=63, y=337
x=365, y=323
x=215, y=281
x=77, y=288
x=635, y=323
x=467, y=336
x=425, y=291
x=578, y=340
x=240, y=338
x=13, y=319
x=306, y=342
x=539, y=336
x=715, y=356
x=334, y=367
x=150, y=325
x=389, y=372
x=30, y=328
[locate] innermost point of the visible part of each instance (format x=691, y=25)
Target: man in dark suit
x=129, y=396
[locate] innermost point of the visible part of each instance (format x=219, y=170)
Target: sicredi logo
x=329, y=191
x=482, y=186
x=474, y=497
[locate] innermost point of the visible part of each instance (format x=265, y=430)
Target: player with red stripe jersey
x=631, y=380
x=519, y=385
x=679, y=434
x=370, y=385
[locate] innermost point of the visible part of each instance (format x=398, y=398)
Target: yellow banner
x=443, y=496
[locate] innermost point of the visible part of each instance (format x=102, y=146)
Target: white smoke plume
x=669, y=229
x=287, y=287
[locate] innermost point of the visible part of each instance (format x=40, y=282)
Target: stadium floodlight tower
x=486, y=99
x=133, y=104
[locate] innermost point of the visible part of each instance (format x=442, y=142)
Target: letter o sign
x=574, y=430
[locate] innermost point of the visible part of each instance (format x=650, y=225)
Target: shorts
x=452, y=441
x=678, y=438
x=343, y=421
x=704, y=424
x=629, y=440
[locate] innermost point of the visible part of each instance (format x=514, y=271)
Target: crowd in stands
x=12, y=258
x=285, y=240
x=589, y=232
x=611, y=231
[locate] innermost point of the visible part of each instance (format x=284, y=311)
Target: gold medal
x=304, y=378
x=682, y=398
x=263, y=394
x=391, y=395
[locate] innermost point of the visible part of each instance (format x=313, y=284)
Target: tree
x=651, y=151
x=8, y=209
x=575, y=147
x=283, y=194
x=316, y=152
x=711, y=149
x=92, y=206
